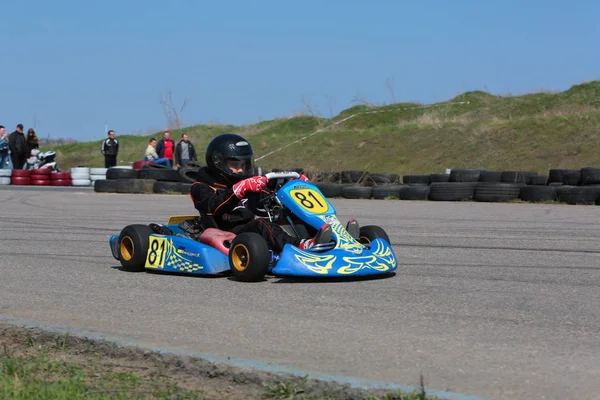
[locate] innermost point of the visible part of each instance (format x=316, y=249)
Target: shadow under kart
x=298, y=207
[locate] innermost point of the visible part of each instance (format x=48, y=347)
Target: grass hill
x=532, y=132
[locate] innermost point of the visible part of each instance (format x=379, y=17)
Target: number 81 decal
x=310, y=200
x=156, y=252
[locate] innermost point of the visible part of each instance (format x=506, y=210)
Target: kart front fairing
x=348, y=258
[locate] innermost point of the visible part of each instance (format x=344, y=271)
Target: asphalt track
x=494, y=300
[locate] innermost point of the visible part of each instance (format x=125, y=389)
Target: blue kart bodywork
x=348, y=257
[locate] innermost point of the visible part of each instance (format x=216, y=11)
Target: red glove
x=303, y=178
x=253, y=184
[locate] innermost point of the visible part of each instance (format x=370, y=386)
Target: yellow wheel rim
x=240, y=257
x=126, y=248
x=364, y=240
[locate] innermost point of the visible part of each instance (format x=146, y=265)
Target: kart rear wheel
x=249, y=257
x=133, y=247
x=371, y=232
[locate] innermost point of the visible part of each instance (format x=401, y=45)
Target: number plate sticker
x=310, y=200
x=156, y=252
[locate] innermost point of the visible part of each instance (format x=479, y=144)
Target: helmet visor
x=238, y=166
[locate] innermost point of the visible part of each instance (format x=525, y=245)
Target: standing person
x=165, y=148
x=184, y=151
x=32, y=141
x=110, y=149
x=5, y=161
x=18, y=147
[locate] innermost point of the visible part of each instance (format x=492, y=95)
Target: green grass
x=44, y=377
x=532, y=132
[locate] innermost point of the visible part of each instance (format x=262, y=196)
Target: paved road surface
x=493, y=300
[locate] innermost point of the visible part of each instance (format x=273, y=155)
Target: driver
x=220, y=191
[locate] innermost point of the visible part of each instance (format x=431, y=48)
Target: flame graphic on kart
x=381, y=259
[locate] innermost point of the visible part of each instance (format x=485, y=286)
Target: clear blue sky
x=76, y=64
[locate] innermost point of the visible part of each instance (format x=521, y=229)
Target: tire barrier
x=463, y=184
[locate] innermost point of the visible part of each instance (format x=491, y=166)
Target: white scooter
x=41, y=160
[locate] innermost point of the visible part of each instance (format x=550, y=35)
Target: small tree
x=173, y=116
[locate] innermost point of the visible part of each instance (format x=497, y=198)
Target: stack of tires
x=97, y=174
x=60, y=179
x=40, y=177
x=20, y=177
x=149, y=178
x=580, y=186
x=80, y=176
x=5, y=175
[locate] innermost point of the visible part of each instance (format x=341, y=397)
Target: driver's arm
x=211, y=201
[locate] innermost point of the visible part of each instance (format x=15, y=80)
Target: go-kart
x=297, y=206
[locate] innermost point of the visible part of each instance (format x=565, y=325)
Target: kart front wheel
x=371, y=232
x=249, y=257
x=133, y=247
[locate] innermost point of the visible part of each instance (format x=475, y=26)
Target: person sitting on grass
x=152, y=155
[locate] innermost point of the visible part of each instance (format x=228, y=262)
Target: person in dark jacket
x=222, y=185
x=110, y=150
x=184, y=151
x=18, y=147
x=32, y=141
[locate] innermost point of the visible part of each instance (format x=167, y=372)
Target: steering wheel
x=264, y=204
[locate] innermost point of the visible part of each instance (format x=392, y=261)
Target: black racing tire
x=452, y=191
x=495, y=192
x=589, y=176
x=516, y=176
x=439, y=178
x=194, y=164
x=414, y=192
x=105, y=185
x=159, y=174
x=249, y=257
x=465, y=174
x=490, y=176
x=556, y=175
x=384, y=178
x=188, y=174
x=330, y=190
x=578, y=194
x=368, y=233
x=136, y=186
x=120, y=173
x=325, y=177
x=133, y=247
x=162, y=187
x=538, y=180
x=356, y=177
x=537, y=194
x=571, y=178
x=356, y=192
x=185, y=187
x=418, y=179
x=384, y=191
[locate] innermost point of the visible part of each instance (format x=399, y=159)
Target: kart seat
x=220, y=240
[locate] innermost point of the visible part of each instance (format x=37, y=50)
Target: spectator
x=18, y=147
x=151, y=154
x=166, y=147
x=110, y=149
x=32, y=141
x=184, y=151
x=5, y=161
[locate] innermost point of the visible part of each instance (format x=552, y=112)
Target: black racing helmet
x=229, y=146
